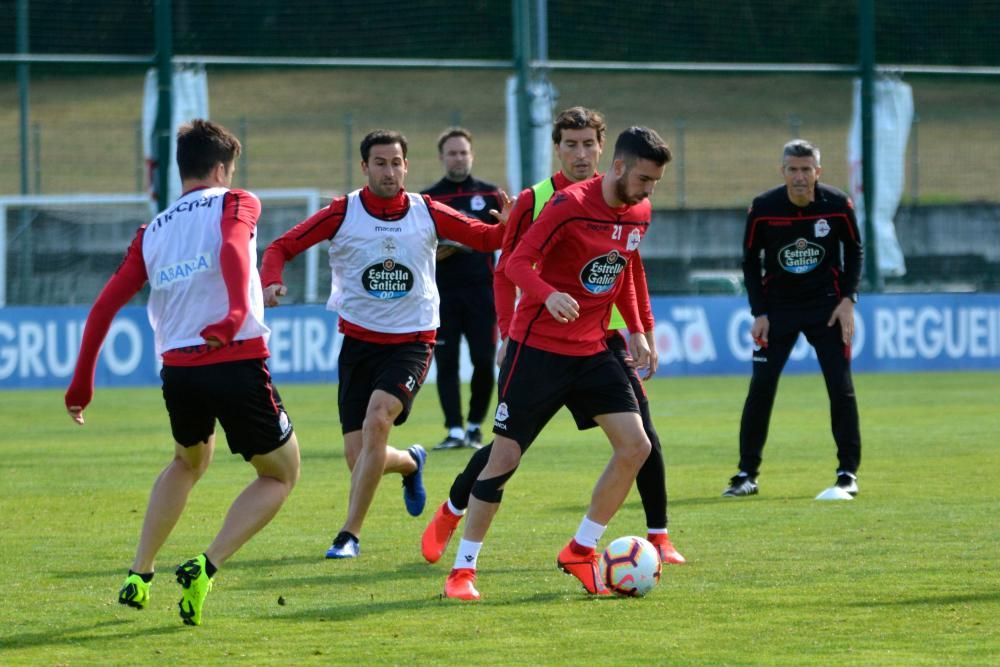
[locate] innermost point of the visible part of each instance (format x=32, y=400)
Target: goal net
x=61, y=249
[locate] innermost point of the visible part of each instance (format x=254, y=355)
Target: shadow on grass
x=76, y=636
x=167, y=573
x=327, y=572
x=337, y=612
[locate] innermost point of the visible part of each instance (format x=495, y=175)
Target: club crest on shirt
x=801, y=257
x=387, y=279
x=821, y=228
x=599, y=274
x=477, y=203
x=634, y=237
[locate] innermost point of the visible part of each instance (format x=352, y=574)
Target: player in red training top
x=569, y=266
x=382, y=262
x=206, y=309
x=578, y=138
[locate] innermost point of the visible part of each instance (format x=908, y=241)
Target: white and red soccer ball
x=630, y=566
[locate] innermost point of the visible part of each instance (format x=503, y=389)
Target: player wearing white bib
x=206, y=309
x=382, y=248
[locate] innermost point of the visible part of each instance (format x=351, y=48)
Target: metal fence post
x=165, y=102
x=866, y=69
x=140, y=159
x=36, y=136
x=244, y=154
x=915, y=160
x=348, y=151
x=679, y=162
x=795, y=126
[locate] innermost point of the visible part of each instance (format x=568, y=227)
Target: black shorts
x=237, y=393
x=534, y=384
x=619, y=348
x=398, y=369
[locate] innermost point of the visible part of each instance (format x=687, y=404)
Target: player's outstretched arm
x=508, y=204
x=272, y=292
x=75, y=413
x=122, y=286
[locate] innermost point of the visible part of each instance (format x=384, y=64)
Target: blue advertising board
x=695, y=336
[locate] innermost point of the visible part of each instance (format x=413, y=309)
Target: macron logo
x=166, y=276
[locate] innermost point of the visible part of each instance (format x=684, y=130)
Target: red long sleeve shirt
x=578, y=245
x=323, y=226
x=505, y=291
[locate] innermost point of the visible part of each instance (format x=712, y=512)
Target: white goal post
x=49, y=244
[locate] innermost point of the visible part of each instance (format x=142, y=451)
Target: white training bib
x=180, y=248
x=382, y=272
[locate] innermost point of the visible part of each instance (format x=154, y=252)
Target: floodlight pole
x=164, y=109
x=866, y=35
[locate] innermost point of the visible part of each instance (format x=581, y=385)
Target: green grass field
x=906, y=574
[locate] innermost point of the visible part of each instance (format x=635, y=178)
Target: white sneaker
x=848, y=481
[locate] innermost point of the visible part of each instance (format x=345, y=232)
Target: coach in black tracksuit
x=802, y=265
x=465, y=281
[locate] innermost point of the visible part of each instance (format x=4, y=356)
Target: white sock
x=589, y=533
x=656, y=531
x=454, y=510
x=468, y=554
x=456, y=432
x=472, y=426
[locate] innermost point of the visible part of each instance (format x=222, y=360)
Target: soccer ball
x=630, y=566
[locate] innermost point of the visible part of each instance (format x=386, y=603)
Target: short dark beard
x=621, y=190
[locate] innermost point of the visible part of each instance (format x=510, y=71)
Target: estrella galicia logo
x=387, y=280
x=801, y=257
x=599, y=274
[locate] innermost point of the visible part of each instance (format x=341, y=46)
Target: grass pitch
x=904, y=574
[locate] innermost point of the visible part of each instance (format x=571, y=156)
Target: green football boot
x=134, y=592
x=196, y=585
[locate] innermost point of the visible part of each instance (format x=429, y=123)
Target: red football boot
x=460, y=584
x=585, y=567
x=666, y=550
x=438, y=533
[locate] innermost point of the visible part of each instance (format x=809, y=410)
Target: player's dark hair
x=641, y=143
x=452, y=132
x=380, y=138
x=201, y=145
x=578, y=118
x=800, y=148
